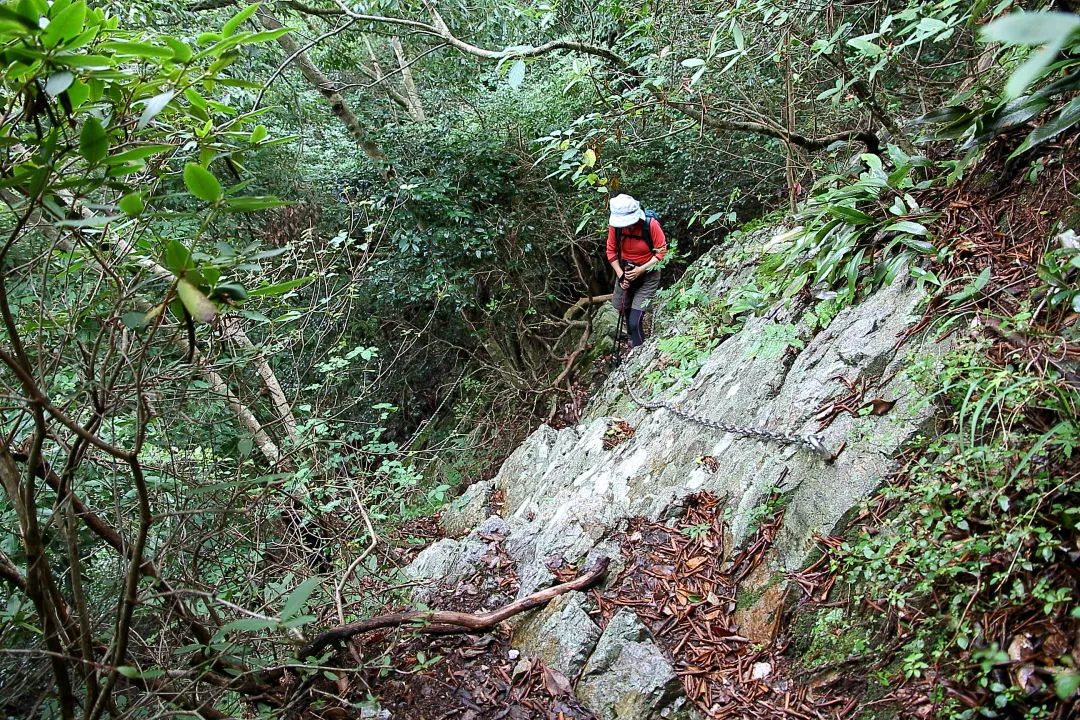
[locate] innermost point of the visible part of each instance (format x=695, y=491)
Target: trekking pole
x=616, y=356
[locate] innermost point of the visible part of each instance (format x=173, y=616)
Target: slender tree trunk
x=330, y=93
x=232, y=330
x=416, y=108
x=789, y=123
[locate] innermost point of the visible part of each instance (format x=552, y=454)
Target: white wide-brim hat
x=625, y=211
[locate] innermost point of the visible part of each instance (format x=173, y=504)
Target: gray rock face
x=467, y=511
x=627, y=678
x=450, y=561
x=562, y=635
x=567, y=496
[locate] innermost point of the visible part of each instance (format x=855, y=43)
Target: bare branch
x=448, y=622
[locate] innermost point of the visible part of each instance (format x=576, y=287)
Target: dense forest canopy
x=278, y=278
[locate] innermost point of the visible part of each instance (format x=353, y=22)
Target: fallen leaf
x=880, y=405
x=556, y=683
x=1020, y=648
x=695, y=562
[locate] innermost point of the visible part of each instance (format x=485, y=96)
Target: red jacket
x=634, y=247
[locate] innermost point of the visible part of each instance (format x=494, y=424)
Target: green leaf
x=230, y=27
x=299, y=597
x=93, y=141
x=181, y=51
x=948, y=114
x=58, y=83
x=265, y=36
x=84, y=61
x=178, y=257
x=1066, y=683
x=137, y=153
x=517, y=74
x=258, y=134
x=202, y=183
x=1068, y=117
x=865, y=46
x=737, y=36
x=922, y=246
x=137, y=49
x=692, y=62
x=1031, y=28
x=154, y=106
x=906, y=226
x=85, y=222
x=231, y=291
x=198, y=305
x=253, y=203
x=972, y=289
x=1031, y=70
x=22, y=23
x=133, y=320
x=131, y=204
x=856, y=217
x=279, y=288
x=77, y=94
x=67, y=24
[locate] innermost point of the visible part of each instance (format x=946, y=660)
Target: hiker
x=635, y=244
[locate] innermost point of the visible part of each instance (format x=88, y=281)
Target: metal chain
x=814, y=443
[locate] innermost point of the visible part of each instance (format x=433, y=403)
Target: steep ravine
x=566, y=498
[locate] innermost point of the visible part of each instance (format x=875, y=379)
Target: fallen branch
x=447, y=622
x=584, y=303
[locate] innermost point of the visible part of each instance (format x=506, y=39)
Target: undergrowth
x=976, y=563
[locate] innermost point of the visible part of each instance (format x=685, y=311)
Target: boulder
x=467, y=511
x=627, y=677
x=562, y=635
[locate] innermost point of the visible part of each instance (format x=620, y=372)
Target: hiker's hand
x=633, y=273
x=624, y=283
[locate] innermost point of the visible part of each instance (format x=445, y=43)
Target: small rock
x=761, y=670
x=513, y=655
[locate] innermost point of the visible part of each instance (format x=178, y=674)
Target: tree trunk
x=329, y=91
x=416, y=108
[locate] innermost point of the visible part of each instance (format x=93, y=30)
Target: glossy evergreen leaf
x=202, y=183
x=1031, y=28
x=299, y=597
x=1068, y=117
x=154, y=106
x=58, y=83
x=131, y=204
x=230, y=27
x=66, y=25
x=93, y=141
x=177, y=257
x=252, y=203
x=973, y=288
x=137, y=49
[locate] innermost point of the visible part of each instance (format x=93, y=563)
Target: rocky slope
x=564, y=497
